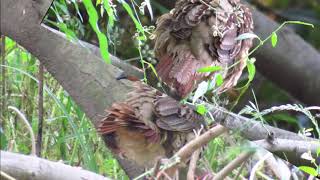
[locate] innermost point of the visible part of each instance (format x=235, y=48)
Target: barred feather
x=197, y=34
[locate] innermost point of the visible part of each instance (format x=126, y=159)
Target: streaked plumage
x=147, y=125
x=201, y=33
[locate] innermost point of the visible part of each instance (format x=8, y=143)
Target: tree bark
x=89, y=80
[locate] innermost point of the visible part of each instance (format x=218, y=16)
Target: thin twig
x=193, y=164
x=240, y=170
x=157, y=167
x=187, y=150
x=257, y=165
x=6, y=176
x=3, y=74
x=26, y=122
x=40, y=110
x=233, y=165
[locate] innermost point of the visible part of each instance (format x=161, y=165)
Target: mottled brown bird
x=201, y=33
x=148, y=125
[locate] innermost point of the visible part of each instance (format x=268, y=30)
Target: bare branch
x=233, y=165
x=292, y=146
x=24, y=167
x=186, y=151
x=193, y=164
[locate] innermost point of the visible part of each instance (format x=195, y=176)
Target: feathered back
x=139, y=127
x=201, y=33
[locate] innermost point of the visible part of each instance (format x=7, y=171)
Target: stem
x=40, y=109
x=26, y=122
x=3, y=74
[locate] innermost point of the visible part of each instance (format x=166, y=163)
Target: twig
x=157, y=167
x=187, y=150
x=26, y=122
x=6, y=176
x=233, y=165
x=287, y=145
x=3, y=74
x=240, y=170
x=40, y=111
x=257, y=165
x=193, y=164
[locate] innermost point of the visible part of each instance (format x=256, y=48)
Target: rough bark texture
x=293, y=65
x=88, y=80
x=24, y=167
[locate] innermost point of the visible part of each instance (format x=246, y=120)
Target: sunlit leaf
x=138, y=25
x=309, y=170
x=93, y=20
x=274, y=39
x=111, y=17
x=209, y=69
x=251, y=69
x=201, y=109
x=219, y=80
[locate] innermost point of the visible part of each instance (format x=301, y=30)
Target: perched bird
x=202, y=33
x=148, y=125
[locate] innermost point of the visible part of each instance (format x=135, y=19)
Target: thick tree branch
x=88, y=80
x=24, y=167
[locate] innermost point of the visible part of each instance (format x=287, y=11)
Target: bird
x=148, y=125
x=198, y=34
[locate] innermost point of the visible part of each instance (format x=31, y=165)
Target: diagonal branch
x=24, y=167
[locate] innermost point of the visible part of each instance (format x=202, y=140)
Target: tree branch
x=89, y=80
x=24, y=167
x=243, y=157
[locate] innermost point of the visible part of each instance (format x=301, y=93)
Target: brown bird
x=201, y=33
x=148, y=125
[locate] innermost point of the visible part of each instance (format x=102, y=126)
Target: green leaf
x=219, y=80
x=274, y=39
x=93, y=20
x=111, y=17
x=251, y=69
x=69, y=33
x=209, y=69
x=138, y=25
x=201, y=109
x=318, y=151
x=299, y=22
x=309, y=170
